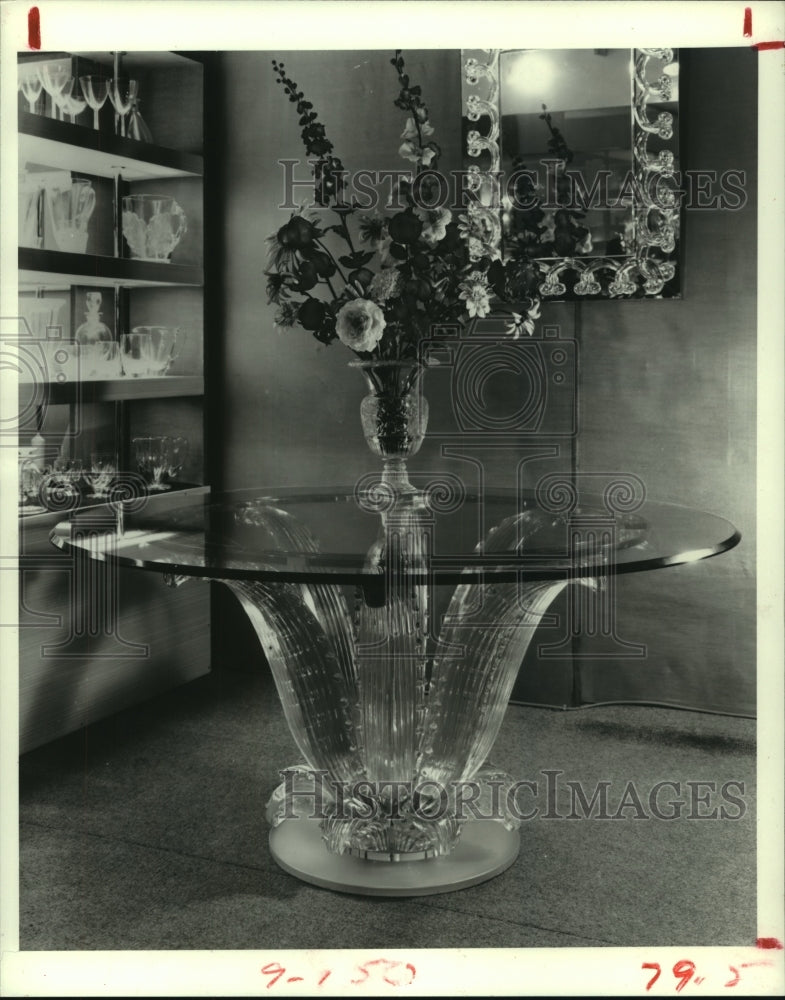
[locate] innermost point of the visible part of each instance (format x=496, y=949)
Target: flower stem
x=337, y=265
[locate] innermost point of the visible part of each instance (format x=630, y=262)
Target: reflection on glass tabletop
x=346, y=536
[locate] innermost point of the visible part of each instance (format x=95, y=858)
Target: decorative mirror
x=573, y=164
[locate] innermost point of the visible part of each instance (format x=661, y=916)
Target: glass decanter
x=93, y=330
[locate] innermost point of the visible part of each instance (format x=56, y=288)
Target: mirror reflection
x=578, y=102
x=573, y=155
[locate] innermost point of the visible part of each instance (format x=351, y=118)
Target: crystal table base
x=485, y=850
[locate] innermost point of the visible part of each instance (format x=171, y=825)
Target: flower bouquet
x=380, y=282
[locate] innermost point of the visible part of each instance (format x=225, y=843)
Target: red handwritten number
x=684, y=971
x=656, y=976
x=275, y=970
x=408, y=976
x=736, y=976
x=401, y=979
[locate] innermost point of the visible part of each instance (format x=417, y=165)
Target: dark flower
x=297, y=234
x=405, y=227
x=372, y=228
x=277, y=287
x=361, y=277
x=418, y=288
x=308, y=276
x=287, y=315
x=324, y=265
x=326, y=332
x=311, y=314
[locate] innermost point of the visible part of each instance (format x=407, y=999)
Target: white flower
x=435, y=222
x=524, y=324
x=473, y=224
x=476, y=248
x=360, y=325
x=385, y=285
x=476, y=293
x=409, y=151
x=410, y=132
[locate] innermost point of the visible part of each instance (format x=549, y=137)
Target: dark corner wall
x=666, y=388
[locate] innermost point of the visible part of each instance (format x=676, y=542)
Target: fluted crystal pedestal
x=394, y=722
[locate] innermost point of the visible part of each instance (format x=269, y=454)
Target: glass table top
x=345, y=536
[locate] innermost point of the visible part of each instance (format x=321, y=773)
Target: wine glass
x=54, y=77
x=30, y=84
x=96, y=91
x=151, y=460
x=70, y=100
x=103, y=469
x=60, y=485
x=122, y=93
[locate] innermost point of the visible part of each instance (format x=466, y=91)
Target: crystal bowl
x=153, y=225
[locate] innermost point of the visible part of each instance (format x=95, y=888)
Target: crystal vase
x=394, y=415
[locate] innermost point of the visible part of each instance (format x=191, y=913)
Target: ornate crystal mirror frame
x=646, y=261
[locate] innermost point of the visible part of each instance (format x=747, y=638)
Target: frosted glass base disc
x=485, y=850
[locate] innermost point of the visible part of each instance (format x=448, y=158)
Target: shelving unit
x=55, y=268
x=115, y=390
x=68, y=681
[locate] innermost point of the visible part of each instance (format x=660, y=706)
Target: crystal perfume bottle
x=93, y=330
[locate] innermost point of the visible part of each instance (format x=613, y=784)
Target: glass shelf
x=83, y=150
x=113, y=390
x=36, y=517
x=56, y=269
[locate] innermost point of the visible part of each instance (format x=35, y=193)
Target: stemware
x=159, y=347
x=160, y=459
x=54, y=77
x=60, y=486
x=95, y=90
x=70, y=101
x=103, y=469
x=30, y=84
x=151, y=460
x=122, y=93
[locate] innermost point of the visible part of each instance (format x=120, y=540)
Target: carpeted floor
x=147, y=831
